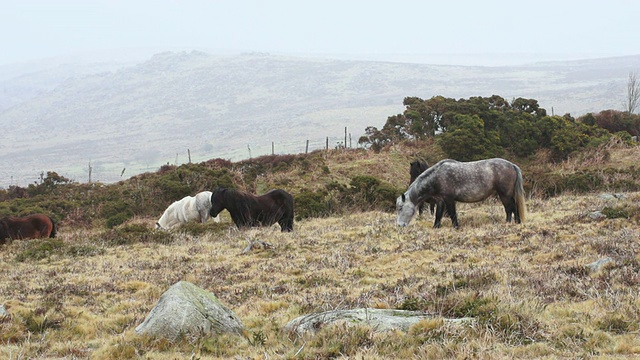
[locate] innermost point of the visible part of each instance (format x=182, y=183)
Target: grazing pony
x=189, y=208
x=29, y=227
x=416, y=168
x=449, y=181
x=248, y=210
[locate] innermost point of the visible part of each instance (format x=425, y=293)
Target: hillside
x=131, y=119
x=529, y=287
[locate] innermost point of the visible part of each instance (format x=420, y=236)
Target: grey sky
x=34, y=29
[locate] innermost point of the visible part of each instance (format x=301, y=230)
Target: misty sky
x=35, y=29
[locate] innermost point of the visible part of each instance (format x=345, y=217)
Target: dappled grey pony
x=449, y=181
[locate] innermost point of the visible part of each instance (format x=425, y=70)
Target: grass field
x=82, y=295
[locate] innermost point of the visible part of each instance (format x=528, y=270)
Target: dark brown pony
x=248, y=210
x=29, y=227
x=416, y=168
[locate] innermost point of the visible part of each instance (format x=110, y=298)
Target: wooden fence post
x=345, y=137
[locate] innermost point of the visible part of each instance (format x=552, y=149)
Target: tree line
x=484, y=127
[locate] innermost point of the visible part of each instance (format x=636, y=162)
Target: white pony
x=187, y=209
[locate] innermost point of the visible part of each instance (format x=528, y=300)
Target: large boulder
x=378, y=319
x=186, y=310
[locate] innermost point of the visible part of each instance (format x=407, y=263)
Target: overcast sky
x=377, y=29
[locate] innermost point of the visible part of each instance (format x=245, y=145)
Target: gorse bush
x=615, y=212
x=369, y=193
x=198, y=229
x=133, y=233
x=311, y=204
x=363, y=193
x=41, y=249
x=479, y=128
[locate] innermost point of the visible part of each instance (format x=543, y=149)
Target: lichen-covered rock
x=378, y=319
x=188, y=311
x=597, y=265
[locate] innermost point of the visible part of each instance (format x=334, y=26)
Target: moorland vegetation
x=529, y=286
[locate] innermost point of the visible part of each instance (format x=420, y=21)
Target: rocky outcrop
x=188, y=311
x=378, y=319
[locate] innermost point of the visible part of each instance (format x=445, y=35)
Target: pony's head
x=158, y=226
x=416, y=168
x=406, y=210
x=217, y=202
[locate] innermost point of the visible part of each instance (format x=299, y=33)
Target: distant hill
x=137, y=117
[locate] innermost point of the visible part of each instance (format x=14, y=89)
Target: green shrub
x=462, y=304
x=134, y=233
x=582, y=182
x=385, y=196
x=310, y=204
x=172, y=187
x=197, y=229
x=368, y=192
x=412, y=304
x=117, y=219
x=40, y=249
x=616, y=212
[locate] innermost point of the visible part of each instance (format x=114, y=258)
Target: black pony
x=416, y=168
x=248, y=210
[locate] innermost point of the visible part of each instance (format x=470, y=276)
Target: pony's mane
x=234, y=199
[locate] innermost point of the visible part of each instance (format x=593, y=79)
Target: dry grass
x=526, y=284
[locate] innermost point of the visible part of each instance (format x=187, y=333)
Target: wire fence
x=98, y=171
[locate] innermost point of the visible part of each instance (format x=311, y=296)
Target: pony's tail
x=519, y=195
x=53, y=229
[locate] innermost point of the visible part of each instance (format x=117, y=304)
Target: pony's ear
x=404, y=198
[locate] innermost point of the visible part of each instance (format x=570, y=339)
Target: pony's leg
x=510, y=208
x=439, y=212
x=451, y=211
x=421, y=208
x=286, y=225
x=204, y=216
